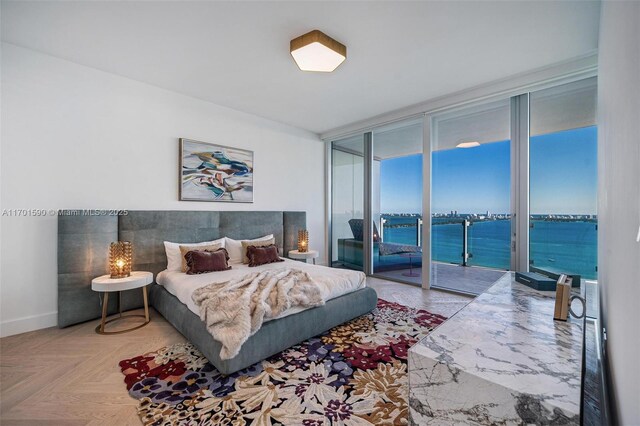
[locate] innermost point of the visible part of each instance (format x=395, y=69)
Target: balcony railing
x=418, y=232
x=465, y=255
x=566, y=243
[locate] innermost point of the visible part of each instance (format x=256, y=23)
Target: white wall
x=619, y=199
x=75, y=137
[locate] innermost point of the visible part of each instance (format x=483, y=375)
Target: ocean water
x=569, y=247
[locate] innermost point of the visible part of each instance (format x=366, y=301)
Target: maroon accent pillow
x=263, y=255
x=203, y=261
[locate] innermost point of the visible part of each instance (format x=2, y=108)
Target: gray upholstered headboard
x=84, y=237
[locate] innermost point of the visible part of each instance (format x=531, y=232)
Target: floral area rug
x=354, y=374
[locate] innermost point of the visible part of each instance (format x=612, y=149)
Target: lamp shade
x=303, y=241
x=120, y=255
x=316, y=51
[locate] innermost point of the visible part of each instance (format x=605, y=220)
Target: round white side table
x=106, y=285
x=311, y=254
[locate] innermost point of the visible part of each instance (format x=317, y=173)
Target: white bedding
x=333, y=282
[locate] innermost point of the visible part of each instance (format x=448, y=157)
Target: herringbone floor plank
x=71, y=376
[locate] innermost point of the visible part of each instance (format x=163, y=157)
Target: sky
x=563, y=177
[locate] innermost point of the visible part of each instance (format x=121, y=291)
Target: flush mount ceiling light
x=316, y=51
x=470, y=144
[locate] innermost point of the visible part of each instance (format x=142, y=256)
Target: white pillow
x=234, y=247
x=174, y=257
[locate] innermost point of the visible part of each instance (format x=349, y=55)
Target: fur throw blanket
x=233, y=311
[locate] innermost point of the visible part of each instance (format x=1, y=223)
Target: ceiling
x=558, y=108
x=236, y=54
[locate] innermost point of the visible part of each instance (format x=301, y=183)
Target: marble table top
x=501, y=359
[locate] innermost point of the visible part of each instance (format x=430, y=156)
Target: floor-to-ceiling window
x=563, y=179
x=470, y=196
x=347, y=203
x=509, y=184
x=396, y=201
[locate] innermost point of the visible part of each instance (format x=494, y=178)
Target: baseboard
x=30, y=323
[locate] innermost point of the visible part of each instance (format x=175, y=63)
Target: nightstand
x=311, y=254
x=106, y=285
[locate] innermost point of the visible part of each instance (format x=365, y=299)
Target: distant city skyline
x=563, y=177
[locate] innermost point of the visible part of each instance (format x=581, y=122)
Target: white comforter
x=333, y=282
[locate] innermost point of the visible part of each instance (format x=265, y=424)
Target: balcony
x=454, y=266
x=471, y=251
x=470, y=280
x=397, y=252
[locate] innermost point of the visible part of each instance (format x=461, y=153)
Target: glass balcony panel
x=489, y=243
x=446, y=239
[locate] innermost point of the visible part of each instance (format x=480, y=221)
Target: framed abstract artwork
x=211, y=172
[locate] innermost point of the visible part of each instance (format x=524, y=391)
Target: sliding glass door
x=347, y=203
x=396, y=201
x=506, y=185
x=385, y=165
x=470, y=196
x=563, y=180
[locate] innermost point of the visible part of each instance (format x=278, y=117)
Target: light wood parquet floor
x=71, y=376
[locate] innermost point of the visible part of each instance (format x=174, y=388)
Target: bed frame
x=83, y=241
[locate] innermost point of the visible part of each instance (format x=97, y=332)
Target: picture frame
x=214, y=173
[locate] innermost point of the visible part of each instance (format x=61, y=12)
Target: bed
x=83, y=242
x=172, y=298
